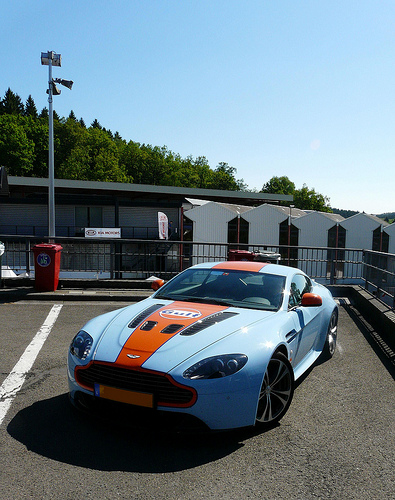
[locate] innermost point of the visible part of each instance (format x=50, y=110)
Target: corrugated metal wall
x=210, y=222
x=391, y=231
x=265, y=223
x=313, y=229
x=360, y=229
x=26, y=215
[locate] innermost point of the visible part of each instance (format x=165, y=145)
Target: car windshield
x=226, y=287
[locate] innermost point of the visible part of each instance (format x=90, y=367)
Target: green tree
x=96, y=124
x=72, y=116
x=279, y=185
x=202, y=170
x=223, y=177
x=44, y=113
x=11, y=104
x=30, y=108
x=95, y=158
x=304, y=198
x=36, y=131
x=16, y=149
x=308, y=199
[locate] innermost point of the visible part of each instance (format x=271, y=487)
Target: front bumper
x=220, y=404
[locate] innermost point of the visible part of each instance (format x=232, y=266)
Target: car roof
x=252, y=266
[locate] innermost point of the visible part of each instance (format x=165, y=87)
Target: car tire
x=276, y=392
x=331, y=337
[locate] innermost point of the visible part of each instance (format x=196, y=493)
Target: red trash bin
x=46, y=266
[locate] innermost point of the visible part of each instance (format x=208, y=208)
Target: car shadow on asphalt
x=52, y=428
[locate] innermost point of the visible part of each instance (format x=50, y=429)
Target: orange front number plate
x=130, y=397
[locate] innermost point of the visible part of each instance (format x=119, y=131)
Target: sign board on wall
x=102, y=232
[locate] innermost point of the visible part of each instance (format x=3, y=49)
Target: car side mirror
x=311, y=300
x=155, y=285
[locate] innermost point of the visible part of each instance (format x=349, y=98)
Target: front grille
x=166, y=393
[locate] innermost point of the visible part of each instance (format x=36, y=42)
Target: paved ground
x=336, y=441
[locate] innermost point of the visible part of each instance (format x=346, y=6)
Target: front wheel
x=276, y=391
x=331, y=337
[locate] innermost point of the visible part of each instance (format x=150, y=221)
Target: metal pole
x=51, y=174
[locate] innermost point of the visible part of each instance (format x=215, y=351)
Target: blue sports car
x=221, y=342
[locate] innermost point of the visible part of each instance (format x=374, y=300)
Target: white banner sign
x=102, y=232
x=163, y=224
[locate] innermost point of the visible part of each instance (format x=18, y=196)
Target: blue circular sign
x=43, y=259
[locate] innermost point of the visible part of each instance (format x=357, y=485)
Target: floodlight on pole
x=50, y=59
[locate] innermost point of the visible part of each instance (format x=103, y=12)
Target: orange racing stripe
x=144, y=343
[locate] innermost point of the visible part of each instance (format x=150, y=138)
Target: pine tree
x=44, y=113
x=96, y=124
x=11, y=104
x=30, y=108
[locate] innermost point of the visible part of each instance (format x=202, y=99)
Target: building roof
x=328, y=215
x=32, y=184
x=373, y=218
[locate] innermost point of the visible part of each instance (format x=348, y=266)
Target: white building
x=390, y=232
x=268, y=222
x=216, y=223
x=316, y=229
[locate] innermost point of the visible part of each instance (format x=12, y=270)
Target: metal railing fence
x=132, y=258
x=379, y=275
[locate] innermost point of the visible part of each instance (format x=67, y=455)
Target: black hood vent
x=173, y=328
x=207, y=322
x=147, y=326
x=144, y=314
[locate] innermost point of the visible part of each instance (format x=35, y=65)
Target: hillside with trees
x=95, y=153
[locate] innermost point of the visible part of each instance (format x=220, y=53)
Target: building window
x=187, y=229
x=336, y=239
x=238, y=230
x=87, y=217
x=289, y=237
x=380, y=241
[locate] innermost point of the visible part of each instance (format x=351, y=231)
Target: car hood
x=159, y=335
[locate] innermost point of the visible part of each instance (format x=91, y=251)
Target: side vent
x=207, y=322
x=144, y=314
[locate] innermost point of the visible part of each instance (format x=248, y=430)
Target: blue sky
x=272, y=87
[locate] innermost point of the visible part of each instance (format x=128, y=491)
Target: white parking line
x=13, y=383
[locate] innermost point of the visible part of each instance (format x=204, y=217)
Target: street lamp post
x=51, y=59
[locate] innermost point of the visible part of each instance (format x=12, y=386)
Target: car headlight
x=216, y=366
x=81, y=344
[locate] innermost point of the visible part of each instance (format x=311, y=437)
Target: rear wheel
x=276, y=392
x=331, y=337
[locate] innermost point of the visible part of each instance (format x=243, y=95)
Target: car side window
x=300, y=285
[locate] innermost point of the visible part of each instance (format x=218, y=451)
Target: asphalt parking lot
x=335, y=442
